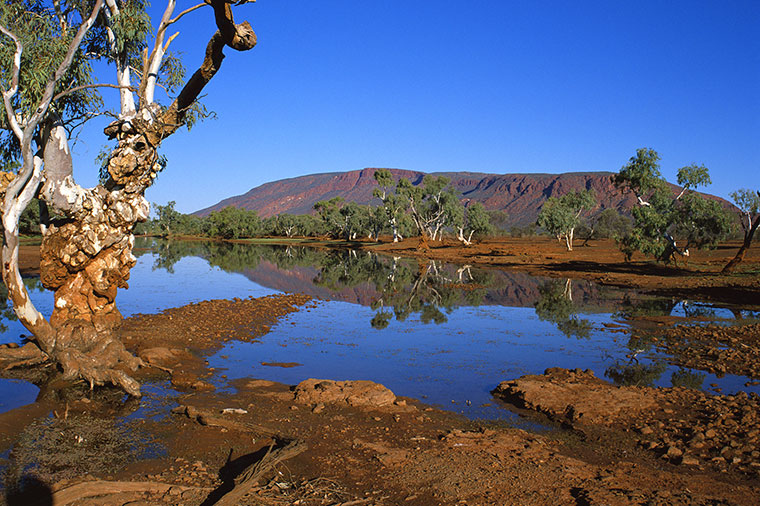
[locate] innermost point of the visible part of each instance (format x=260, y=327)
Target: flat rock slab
x=358, y=393
x=576, y=396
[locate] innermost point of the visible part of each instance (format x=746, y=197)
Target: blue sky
x=493, y=86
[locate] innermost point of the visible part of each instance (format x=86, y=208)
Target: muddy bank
x=177, y=341
x=697, y=277
x=356, y=443
x=715, y=348
x=682, y=426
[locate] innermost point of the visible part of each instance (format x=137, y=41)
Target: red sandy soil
x=360, y=445
x=601, y=261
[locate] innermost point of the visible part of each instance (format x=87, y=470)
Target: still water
x=441, y=333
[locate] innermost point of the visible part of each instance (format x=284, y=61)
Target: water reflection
x=556, y=305
x=394, y=287
x=433, y=331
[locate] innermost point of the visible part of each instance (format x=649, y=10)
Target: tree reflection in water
x=555, y=304
x=430, y=289
x=402, y=286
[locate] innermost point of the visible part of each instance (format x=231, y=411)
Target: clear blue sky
x=494, y=86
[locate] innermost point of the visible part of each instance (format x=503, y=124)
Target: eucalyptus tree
x=374, y=221
x=330, y=215
x=47, y=52
x=393, y=205
x=662, y=216
x=233, y=223
x=610, y=223
x=286, y=224
x=353, y=220
x=560, y=216
x=748, y=202
x=430, y=204
x=470, y=220
x=166, y=217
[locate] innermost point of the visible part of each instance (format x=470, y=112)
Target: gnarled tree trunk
x=86, y=252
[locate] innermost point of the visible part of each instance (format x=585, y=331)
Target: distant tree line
x=430, y=210
x=664, y=225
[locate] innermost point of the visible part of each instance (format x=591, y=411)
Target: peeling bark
x=86, y=255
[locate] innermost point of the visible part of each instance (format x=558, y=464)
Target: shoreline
x=362, y=445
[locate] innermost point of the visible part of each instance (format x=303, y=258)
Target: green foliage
x=233, y=223
x=499, y=220
x=642, y=173
x=44, y=44
x=701, y=222
x=431, y=204
x=693, y=176
x=611, y=224
x=663, y=217
x=555, y=304
x=132, y=27
x=560, y=216
x=748, y=201
x=332, y=219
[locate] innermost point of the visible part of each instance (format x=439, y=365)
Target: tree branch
x=8, y=94
x=240, y=37
x=87, y=86
x=188, y=11
x=153, y=63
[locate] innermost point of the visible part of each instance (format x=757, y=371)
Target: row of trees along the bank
x=665, y=223
x=428, y=210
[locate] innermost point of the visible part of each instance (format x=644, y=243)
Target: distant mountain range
x=519, y=195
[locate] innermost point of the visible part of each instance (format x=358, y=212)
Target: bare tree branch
x=148, y=84
x=89, y=86
x=127, y=101
x=240, y=37
x=188, y=11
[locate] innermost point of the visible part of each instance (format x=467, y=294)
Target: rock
x=577, y=396
x=354, y=393
x=259, y=383
x=689, y=460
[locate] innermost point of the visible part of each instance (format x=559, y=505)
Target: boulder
x=358, y=393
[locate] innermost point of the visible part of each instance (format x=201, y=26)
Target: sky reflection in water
x=380, y=324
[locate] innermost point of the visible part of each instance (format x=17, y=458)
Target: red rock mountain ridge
x=519, y=195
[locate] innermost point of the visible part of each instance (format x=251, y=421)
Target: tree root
x=104, y=363
x=27, y=355
x=101, y=365
x=75, y=493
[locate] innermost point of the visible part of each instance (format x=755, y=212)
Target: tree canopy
x=560, y=216
x=663, y=217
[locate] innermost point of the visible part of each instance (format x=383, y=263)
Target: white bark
x=157, y=55
x=126, y=99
